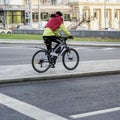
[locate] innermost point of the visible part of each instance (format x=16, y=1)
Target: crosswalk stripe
x=95, y=113
x=27, y=109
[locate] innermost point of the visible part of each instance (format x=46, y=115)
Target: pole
x=31, y=14
x=39, y=15
x=105, y=12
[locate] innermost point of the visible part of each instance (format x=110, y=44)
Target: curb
x=57, y=76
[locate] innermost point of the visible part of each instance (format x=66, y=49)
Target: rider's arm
x=64, y=29
x=57, y=32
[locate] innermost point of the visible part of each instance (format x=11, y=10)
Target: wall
x=109, y=34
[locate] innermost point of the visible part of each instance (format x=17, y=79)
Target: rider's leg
x=58, y=41
x=48, y=43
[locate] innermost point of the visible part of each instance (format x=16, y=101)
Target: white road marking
x=95, y=113
x=16, y=47
x=27, y=109
x=90, y=49
x=107, y=48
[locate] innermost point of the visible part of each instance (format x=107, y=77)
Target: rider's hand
x=70, y=37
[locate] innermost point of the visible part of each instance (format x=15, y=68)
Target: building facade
x=97, y=14
x=90, y=14
x=11, y=12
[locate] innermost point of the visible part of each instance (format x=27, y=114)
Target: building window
x=67, y=17
x=115, y=14
x=84, y=15
x=1, y=13
x=95, y=14
x=15, y=17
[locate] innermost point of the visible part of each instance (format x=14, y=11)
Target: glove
x=70, y=37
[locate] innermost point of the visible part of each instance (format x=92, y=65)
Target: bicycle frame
x=63, y=45
x=42, y=60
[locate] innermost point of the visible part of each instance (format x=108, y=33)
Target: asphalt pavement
x=23, y=73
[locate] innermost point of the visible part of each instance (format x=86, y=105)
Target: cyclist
x=51, y=30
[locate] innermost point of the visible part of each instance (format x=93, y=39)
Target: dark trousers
x=48, y=41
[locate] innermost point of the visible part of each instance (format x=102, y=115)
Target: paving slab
x=22, y=73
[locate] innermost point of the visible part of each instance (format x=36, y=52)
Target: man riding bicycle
x=42, y=60
x=51, y=31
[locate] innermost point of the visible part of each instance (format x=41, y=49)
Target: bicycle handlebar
x=63, y=38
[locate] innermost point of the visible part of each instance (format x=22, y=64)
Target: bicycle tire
x=70, y=59
x=40, y=61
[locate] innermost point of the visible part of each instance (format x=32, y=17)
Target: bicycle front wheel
x=70, y=59
x=40, y=61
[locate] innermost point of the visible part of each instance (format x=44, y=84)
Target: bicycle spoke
x=70, y=59
x=40, y=61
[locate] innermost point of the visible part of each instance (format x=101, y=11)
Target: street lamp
x=31, y=13
x=39, y=15
x=5, y=20
x=105, y=12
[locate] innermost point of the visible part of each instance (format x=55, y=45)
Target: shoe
x=54, y=54
x=52, y=66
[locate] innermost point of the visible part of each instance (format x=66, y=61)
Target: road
x=62, y=99
x=95, y=98
x=15, y=54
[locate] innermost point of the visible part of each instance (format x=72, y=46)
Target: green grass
x=39, y=37
x=21, y=36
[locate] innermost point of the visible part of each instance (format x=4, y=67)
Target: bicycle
x=42, y=60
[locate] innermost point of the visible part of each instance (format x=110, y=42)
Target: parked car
x=2, y=31
x=109, y=29
x=5, y=31
x=23, y=27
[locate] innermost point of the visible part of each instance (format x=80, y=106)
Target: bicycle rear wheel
x=40, y=61
x=70, y=59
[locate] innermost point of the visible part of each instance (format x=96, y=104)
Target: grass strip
x=39, y=37
x=21, y=36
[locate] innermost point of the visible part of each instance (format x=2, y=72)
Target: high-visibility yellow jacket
x=50, y=32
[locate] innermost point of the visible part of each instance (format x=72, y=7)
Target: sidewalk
x=69, y=42
x=20, y=73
